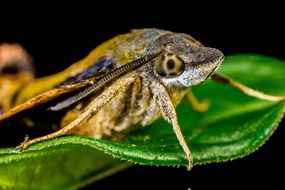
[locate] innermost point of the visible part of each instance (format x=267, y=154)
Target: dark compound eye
x=169, y=65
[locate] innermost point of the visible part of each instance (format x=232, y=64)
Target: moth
x=133, y=78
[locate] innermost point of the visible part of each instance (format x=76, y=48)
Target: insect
x=134, y=78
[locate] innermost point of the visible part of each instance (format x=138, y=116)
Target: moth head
x=184, y=61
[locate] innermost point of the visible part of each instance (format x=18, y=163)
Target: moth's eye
x=169, y=65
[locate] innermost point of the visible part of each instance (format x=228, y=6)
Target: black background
x=58, y=36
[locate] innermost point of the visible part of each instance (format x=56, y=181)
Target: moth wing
x=73, y=83
x=90, y=76
x=43, y=98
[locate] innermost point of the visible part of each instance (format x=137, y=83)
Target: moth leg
x=199, y=106
x=93, y=107
x=245, y=89
x=169, y=114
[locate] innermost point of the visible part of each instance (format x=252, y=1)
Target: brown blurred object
x=15, y=71
x=14, y=58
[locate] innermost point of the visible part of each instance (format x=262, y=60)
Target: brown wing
x=81, y=80
x=42, y=98
x=97, y=80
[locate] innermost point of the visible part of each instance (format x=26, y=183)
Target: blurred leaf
x=233, y=127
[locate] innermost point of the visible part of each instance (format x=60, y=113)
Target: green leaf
x=233, y=127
